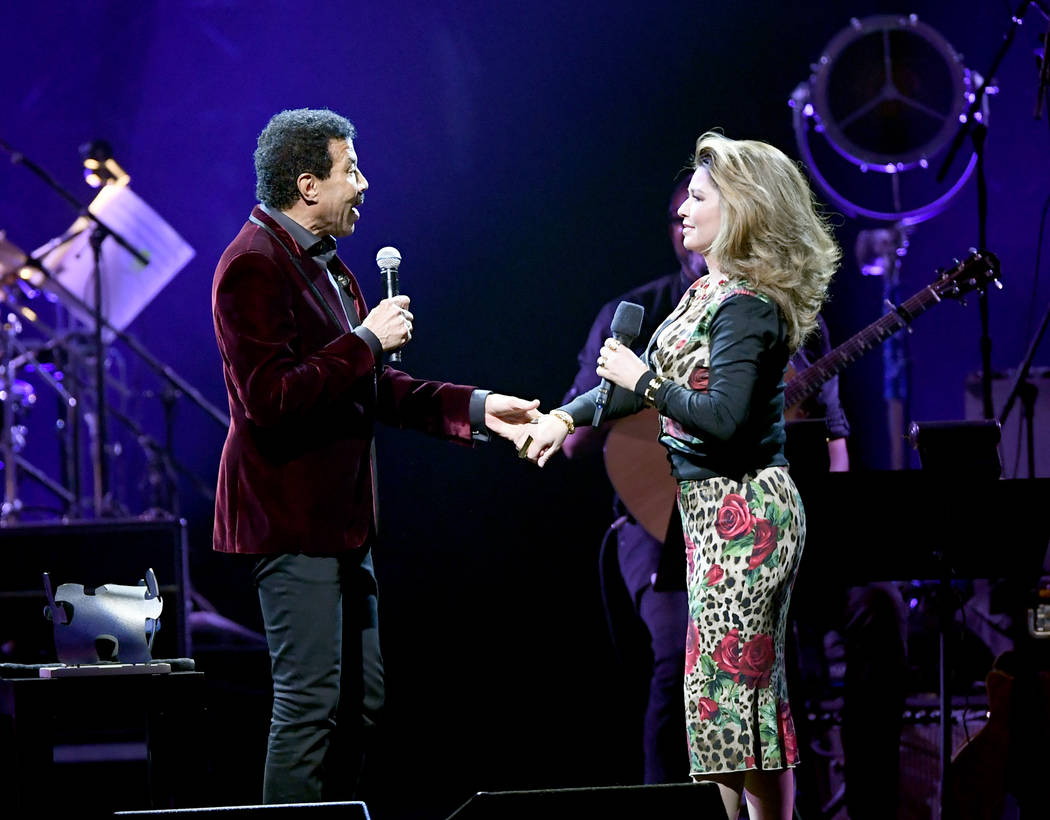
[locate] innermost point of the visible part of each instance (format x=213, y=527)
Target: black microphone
x=389, y=260
x=626, y=325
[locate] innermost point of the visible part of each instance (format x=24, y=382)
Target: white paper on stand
x=127, y=285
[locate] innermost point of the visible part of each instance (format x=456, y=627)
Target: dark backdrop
x=521, y=158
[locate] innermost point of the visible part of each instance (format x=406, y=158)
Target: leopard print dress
x=743, y=543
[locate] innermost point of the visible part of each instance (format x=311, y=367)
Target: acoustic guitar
x=637, y=463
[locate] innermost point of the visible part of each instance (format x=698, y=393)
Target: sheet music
x=127, y=285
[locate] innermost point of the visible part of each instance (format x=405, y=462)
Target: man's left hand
x=504, y=415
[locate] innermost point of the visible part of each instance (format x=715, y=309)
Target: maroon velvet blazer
x=304, y=392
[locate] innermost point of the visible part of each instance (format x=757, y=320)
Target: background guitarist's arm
x=838, y=455
x=823, y=405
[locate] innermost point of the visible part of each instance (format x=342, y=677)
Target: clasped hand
x=541, y=439
x=391, y=322
x=619, y=364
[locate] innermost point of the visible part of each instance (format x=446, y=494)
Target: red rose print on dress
x=786, y=727
x=714, y=575
x=749, y=761
x=690, y=549
x=707, y=708
x=692, y=647
x=734, y=518
x=765, y=542
x=727, y=654
x=755, y=661
x=698, y=378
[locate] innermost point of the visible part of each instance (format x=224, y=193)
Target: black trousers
x=648, y=627
x=322, y=630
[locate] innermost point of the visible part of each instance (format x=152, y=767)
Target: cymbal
x=12, y=258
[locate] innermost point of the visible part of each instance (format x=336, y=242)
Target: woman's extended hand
x=542, y=438
x=619, y=364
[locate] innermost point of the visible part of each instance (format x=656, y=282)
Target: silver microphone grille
x=388, y=258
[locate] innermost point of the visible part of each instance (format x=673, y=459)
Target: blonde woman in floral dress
x=715, y=372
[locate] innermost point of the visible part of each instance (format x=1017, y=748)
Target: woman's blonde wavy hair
x=772, y=234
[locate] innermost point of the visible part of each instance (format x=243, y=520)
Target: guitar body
x=639, y=471
x=979, y=770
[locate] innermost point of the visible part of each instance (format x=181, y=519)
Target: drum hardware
x=885, y=95
x=63, y=359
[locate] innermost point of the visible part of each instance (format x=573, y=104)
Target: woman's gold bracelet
x=565, y=418
x=650, y=391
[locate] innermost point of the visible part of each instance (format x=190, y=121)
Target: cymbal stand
x=69, y=440
x=24, y=356
x=9, y=441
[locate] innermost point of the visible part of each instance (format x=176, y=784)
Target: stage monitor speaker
x=92, y=553
x=699, y=801
x=353, y=810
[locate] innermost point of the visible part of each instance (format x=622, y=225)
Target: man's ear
x=307, y=184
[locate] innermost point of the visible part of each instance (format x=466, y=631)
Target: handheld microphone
x=626, y=325
x=389, y=261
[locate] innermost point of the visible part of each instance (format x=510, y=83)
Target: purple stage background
x=521, y=160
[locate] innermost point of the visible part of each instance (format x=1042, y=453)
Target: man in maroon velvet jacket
x=302, y=358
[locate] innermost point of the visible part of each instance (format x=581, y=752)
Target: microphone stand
x=975, y=124
x=99, y=233
x=100, y=466
x=975, y=127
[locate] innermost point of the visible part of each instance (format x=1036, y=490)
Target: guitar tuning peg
x=997, y=283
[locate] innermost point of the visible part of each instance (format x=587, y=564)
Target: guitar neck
x=810, y=380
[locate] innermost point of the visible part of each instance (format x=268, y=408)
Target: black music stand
x=956, y=449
